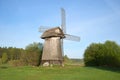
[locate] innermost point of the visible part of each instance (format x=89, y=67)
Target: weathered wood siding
x=52, y=50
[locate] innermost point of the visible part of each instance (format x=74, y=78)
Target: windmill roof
x=53, y=32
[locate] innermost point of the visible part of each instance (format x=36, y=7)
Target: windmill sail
x=63, y=27
x=71, y=37
x=63, y=20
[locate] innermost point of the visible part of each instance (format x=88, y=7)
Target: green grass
x=58, y=73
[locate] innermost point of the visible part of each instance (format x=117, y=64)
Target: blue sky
x=93, y=20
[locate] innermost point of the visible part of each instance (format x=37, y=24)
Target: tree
x=107, y=54
x=4, y=58
x=33, y=54
x=90, y=54
x=14, y=53
x=112, y=53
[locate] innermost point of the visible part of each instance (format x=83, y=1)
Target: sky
x=94, y=21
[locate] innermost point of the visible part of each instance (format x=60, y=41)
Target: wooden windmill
x=53, y=46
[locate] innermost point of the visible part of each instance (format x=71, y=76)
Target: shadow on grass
x=3, y=67
x=112, y=69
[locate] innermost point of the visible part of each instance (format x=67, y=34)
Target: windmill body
x=52, y=51
x=53, y=46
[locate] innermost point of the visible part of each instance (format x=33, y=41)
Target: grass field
x=58, y=73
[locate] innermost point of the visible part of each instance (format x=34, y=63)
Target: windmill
x=53, y=46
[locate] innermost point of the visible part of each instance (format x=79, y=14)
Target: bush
x=107, y=54
x=0, y=61
x=16, y=63
x=4, y=58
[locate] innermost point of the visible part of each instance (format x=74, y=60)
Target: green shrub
x=4, y=58
x=0, y=61
x=16, y=63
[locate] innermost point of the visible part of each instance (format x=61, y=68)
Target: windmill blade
x=72, y=37
x=43, y=28
x=63, y=27
x=63, y=20
x=62, y=48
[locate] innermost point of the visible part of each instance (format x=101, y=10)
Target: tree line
x=31, y=55
x=96, y=54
